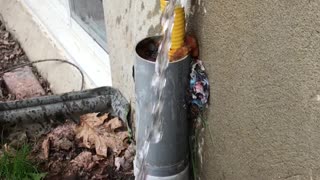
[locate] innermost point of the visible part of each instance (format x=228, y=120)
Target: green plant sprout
x=16, y=166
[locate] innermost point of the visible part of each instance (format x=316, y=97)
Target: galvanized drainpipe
x=168, y=159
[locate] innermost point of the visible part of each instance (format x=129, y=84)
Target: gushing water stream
x=154, y=132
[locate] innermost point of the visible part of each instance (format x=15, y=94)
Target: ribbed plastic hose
x=178, y=32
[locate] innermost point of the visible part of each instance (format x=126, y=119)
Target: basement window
x=80, y=40
x=89, y=14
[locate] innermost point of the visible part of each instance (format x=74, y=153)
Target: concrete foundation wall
x=127, y=22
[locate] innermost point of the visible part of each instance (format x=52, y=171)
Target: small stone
x=22, y=83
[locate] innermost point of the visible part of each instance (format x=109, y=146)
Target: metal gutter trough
x=72, y=104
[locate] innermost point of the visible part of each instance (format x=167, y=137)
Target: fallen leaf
x=84, y=160
x=118, y=162
x=96, y=135
x=116, y=138
x=97, y=158
x=90, y=138
x=6, y=35
x=64, y=144
x=6, y=42
x=129, y=155
x=61, y=138
x=80, y=166
x=94, y=120
x=130, y=152
x=56, y=166
x=6, y=148
x=46, y=148
x=114, y=124
x=64, y=131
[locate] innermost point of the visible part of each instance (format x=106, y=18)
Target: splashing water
x=154, y=132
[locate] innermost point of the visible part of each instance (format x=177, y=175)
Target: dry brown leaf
x=129, y=157
x=116, y=141
x=9, y=149
x=63, y=131
x=94, y=134
x=63, y=144
x=93, y=120
x=118, y=162
x=130, y=152
x=84, y=160
x=61, y=138
x=46, y=148
x=114, y=124
x=90, y=138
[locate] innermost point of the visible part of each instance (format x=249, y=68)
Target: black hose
x=46, y=60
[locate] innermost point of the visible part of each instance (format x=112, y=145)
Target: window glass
x=89, y=14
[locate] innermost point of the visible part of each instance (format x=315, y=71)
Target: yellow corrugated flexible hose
x=178, y=32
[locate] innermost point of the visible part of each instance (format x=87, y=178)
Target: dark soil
x=11, y=54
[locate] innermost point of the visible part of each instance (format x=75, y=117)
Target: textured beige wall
x=263, y=60
x=128, y=21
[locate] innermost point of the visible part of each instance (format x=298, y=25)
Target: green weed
x=16, y=166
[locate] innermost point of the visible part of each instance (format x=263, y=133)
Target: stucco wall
x=263, y=60
x=127, y=22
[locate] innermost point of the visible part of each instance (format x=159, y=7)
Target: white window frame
x=92, y=31
x=81, y=48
